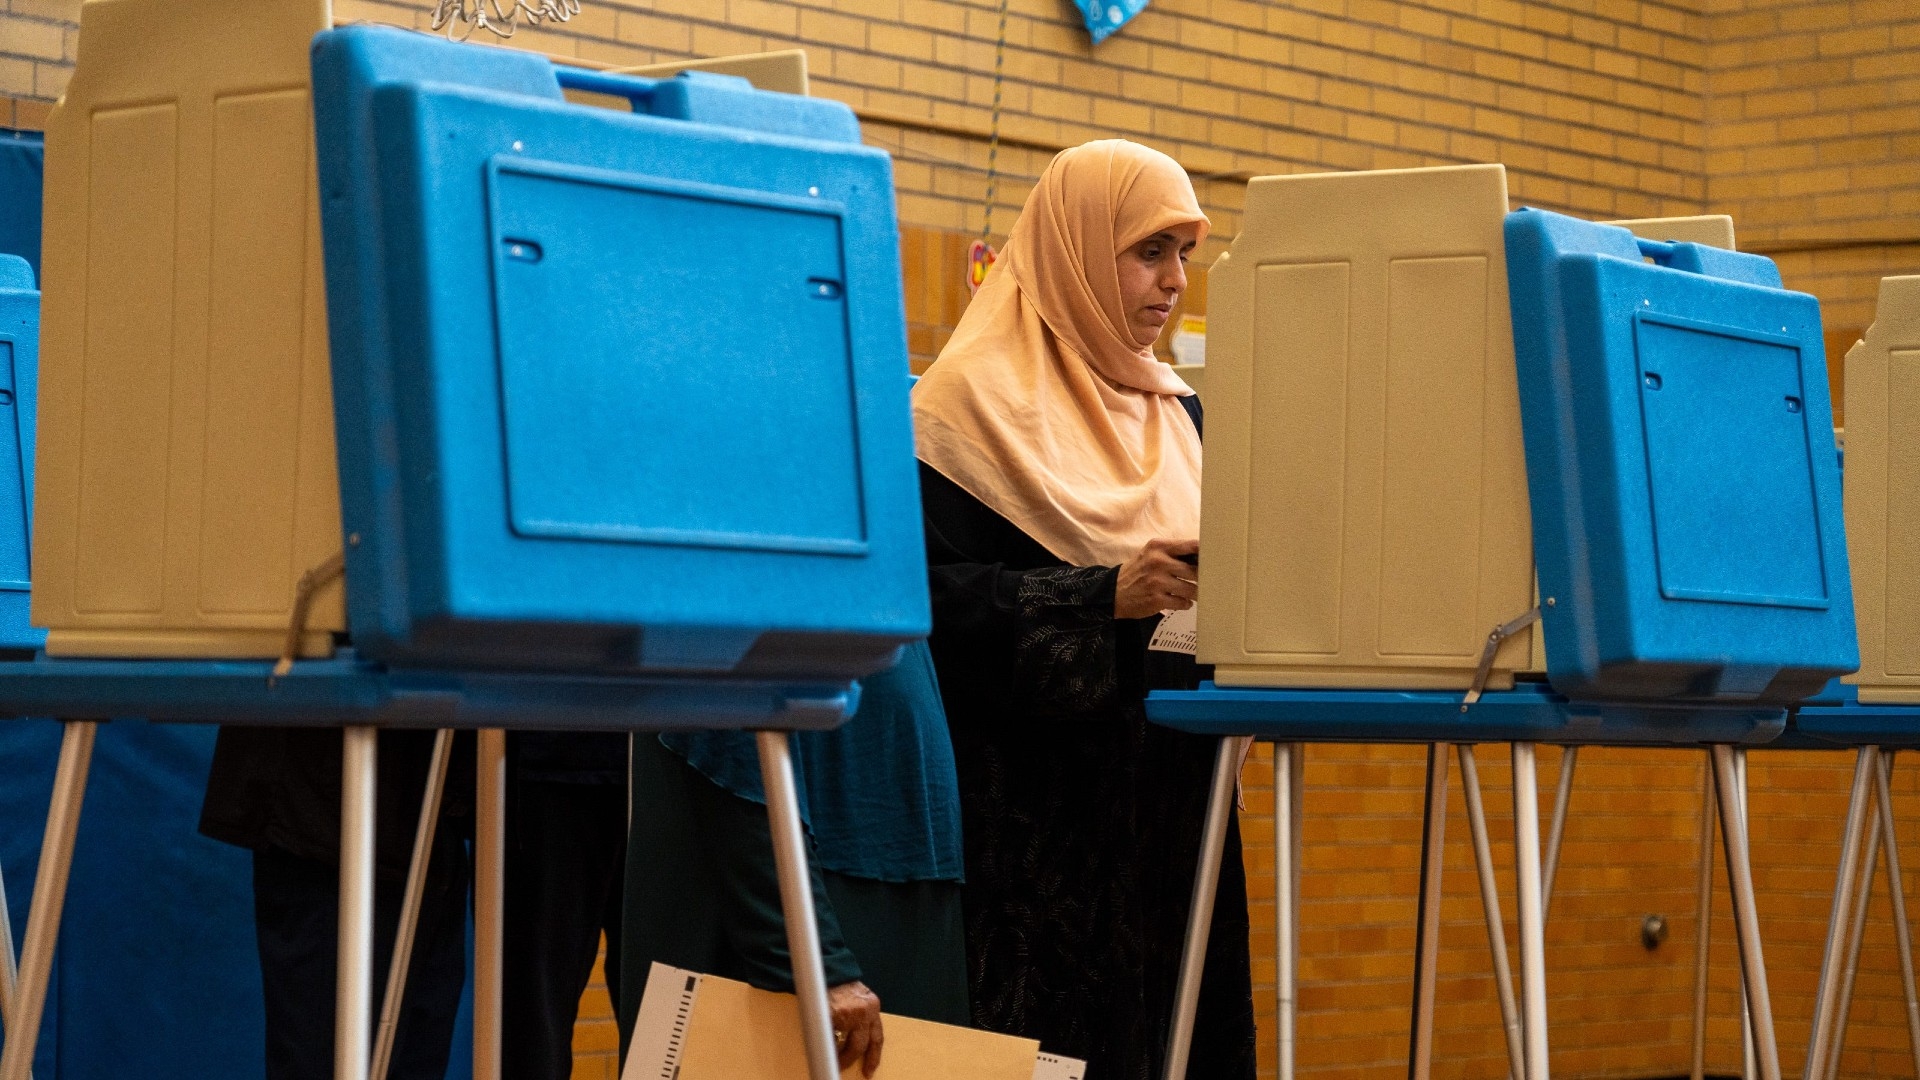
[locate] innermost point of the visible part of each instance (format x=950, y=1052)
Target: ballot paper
x=1178, y=632
x=703, y=1027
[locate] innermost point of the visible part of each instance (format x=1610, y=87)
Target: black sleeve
x=735, y=831
x=1019, y=641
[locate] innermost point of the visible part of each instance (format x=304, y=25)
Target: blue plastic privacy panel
x=19, y=366
x=612, y=390
x=22, y=165
x=1681, y=467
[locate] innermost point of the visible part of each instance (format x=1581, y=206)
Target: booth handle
x=632, y=87
x=1660, y=251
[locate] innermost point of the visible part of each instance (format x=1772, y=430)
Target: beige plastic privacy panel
x=1882, y=481
x=1193, y=375
x=1713, y=230
x=784, y=72
x=1365, y=518
x=186, y=471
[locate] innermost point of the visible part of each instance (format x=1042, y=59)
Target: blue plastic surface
x=613, y=392
x=19, y=370
x=1530, y=712
x=22, y=167
x=1835, y=718
x=1686, y=499
x=345, y=689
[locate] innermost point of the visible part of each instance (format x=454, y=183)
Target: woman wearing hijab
x=881, y=807
x=1060, y=475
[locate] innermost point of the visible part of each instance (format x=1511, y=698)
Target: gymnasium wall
x=1802, y=119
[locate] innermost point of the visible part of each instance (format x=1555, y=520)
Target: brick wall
x=1797, y=117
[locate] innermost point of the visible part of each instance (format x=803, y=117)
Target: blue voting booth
x=599, y=444
x=19, y=363
x=1680, y=462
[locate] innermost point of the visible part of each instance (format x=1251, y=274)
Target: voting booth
x=1365, y=520
x=1883, y=494
x=620, y=449
x=1681, y=465
x=187, y=468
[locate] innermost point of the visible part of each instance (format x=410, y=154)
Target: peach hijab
x=1041, y=406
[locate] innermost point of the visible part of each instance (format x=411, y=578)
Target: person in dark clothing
x=1060, y=483
x=276, y=792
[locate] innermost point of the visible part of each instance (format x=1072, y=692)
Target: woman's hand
x=856, y=1025
x=1157, y=580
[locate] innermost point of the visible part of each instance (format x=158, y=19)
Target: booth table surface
x=345, y=690
x=1530, y=712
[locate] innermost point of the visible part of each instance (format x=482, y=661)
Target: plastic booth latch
x=19, y=366
x=613, y=391
x=1686, y=497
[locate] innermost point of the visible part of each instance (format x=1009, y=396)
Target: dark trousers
x=566, y=846
x=296, y=917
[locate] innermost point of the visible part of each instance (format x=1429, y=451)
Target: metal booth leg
x=1856, y=934
x=1532, y=915
x=353, y=994
x=410, y=904
x=1206, y=882
x=1490, y=904
x=1827, y=1000
x=1733, y=829
x=1562, y=795
x=1289, y=784
x=796, y=900
x=1902, y=931
x=1426, y=949
x=1702, y=921
x=489, y=900
x=1749, y=1069
x=49, y=898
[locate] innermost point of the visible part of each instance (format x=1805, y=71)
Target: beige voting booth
x=186, y=474
x=1713, y=230
x=1882, y=480
x=1365, y=519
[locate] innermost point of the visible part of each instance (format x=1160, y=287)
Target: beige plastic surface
x=1882, y=481
x=186, y=463
x=1365, y=519
x=1713, y=230
x=1193, y=375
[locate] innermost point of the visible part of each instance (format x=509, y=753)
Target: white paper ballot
x=1178, y=632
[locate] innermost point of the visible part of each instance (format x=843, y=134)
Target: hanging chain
x=993, y=134
x=501, y=18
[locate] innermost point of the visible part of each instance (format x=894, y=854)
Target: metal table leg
x=1289, y=766
x=1749, y=1056
x=1533, y=948
x=1206, y=882
x=796, y=900
x=1733, y=828
x=410, y=904
x=1703, y=921
x=489, y=900
x=1902, y=931
x=353, y=994
x=49, y=899
x=1856, y=935
x=1827, y=999
x=1562, y=795
x=1426, y=947
x=9, y=964
x=1490, y=904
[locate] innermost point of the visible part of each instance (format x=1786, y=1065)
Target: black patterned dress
x=1082, y=821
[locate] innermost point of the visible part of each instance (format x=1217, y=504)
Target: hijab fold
x=1041, y=405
